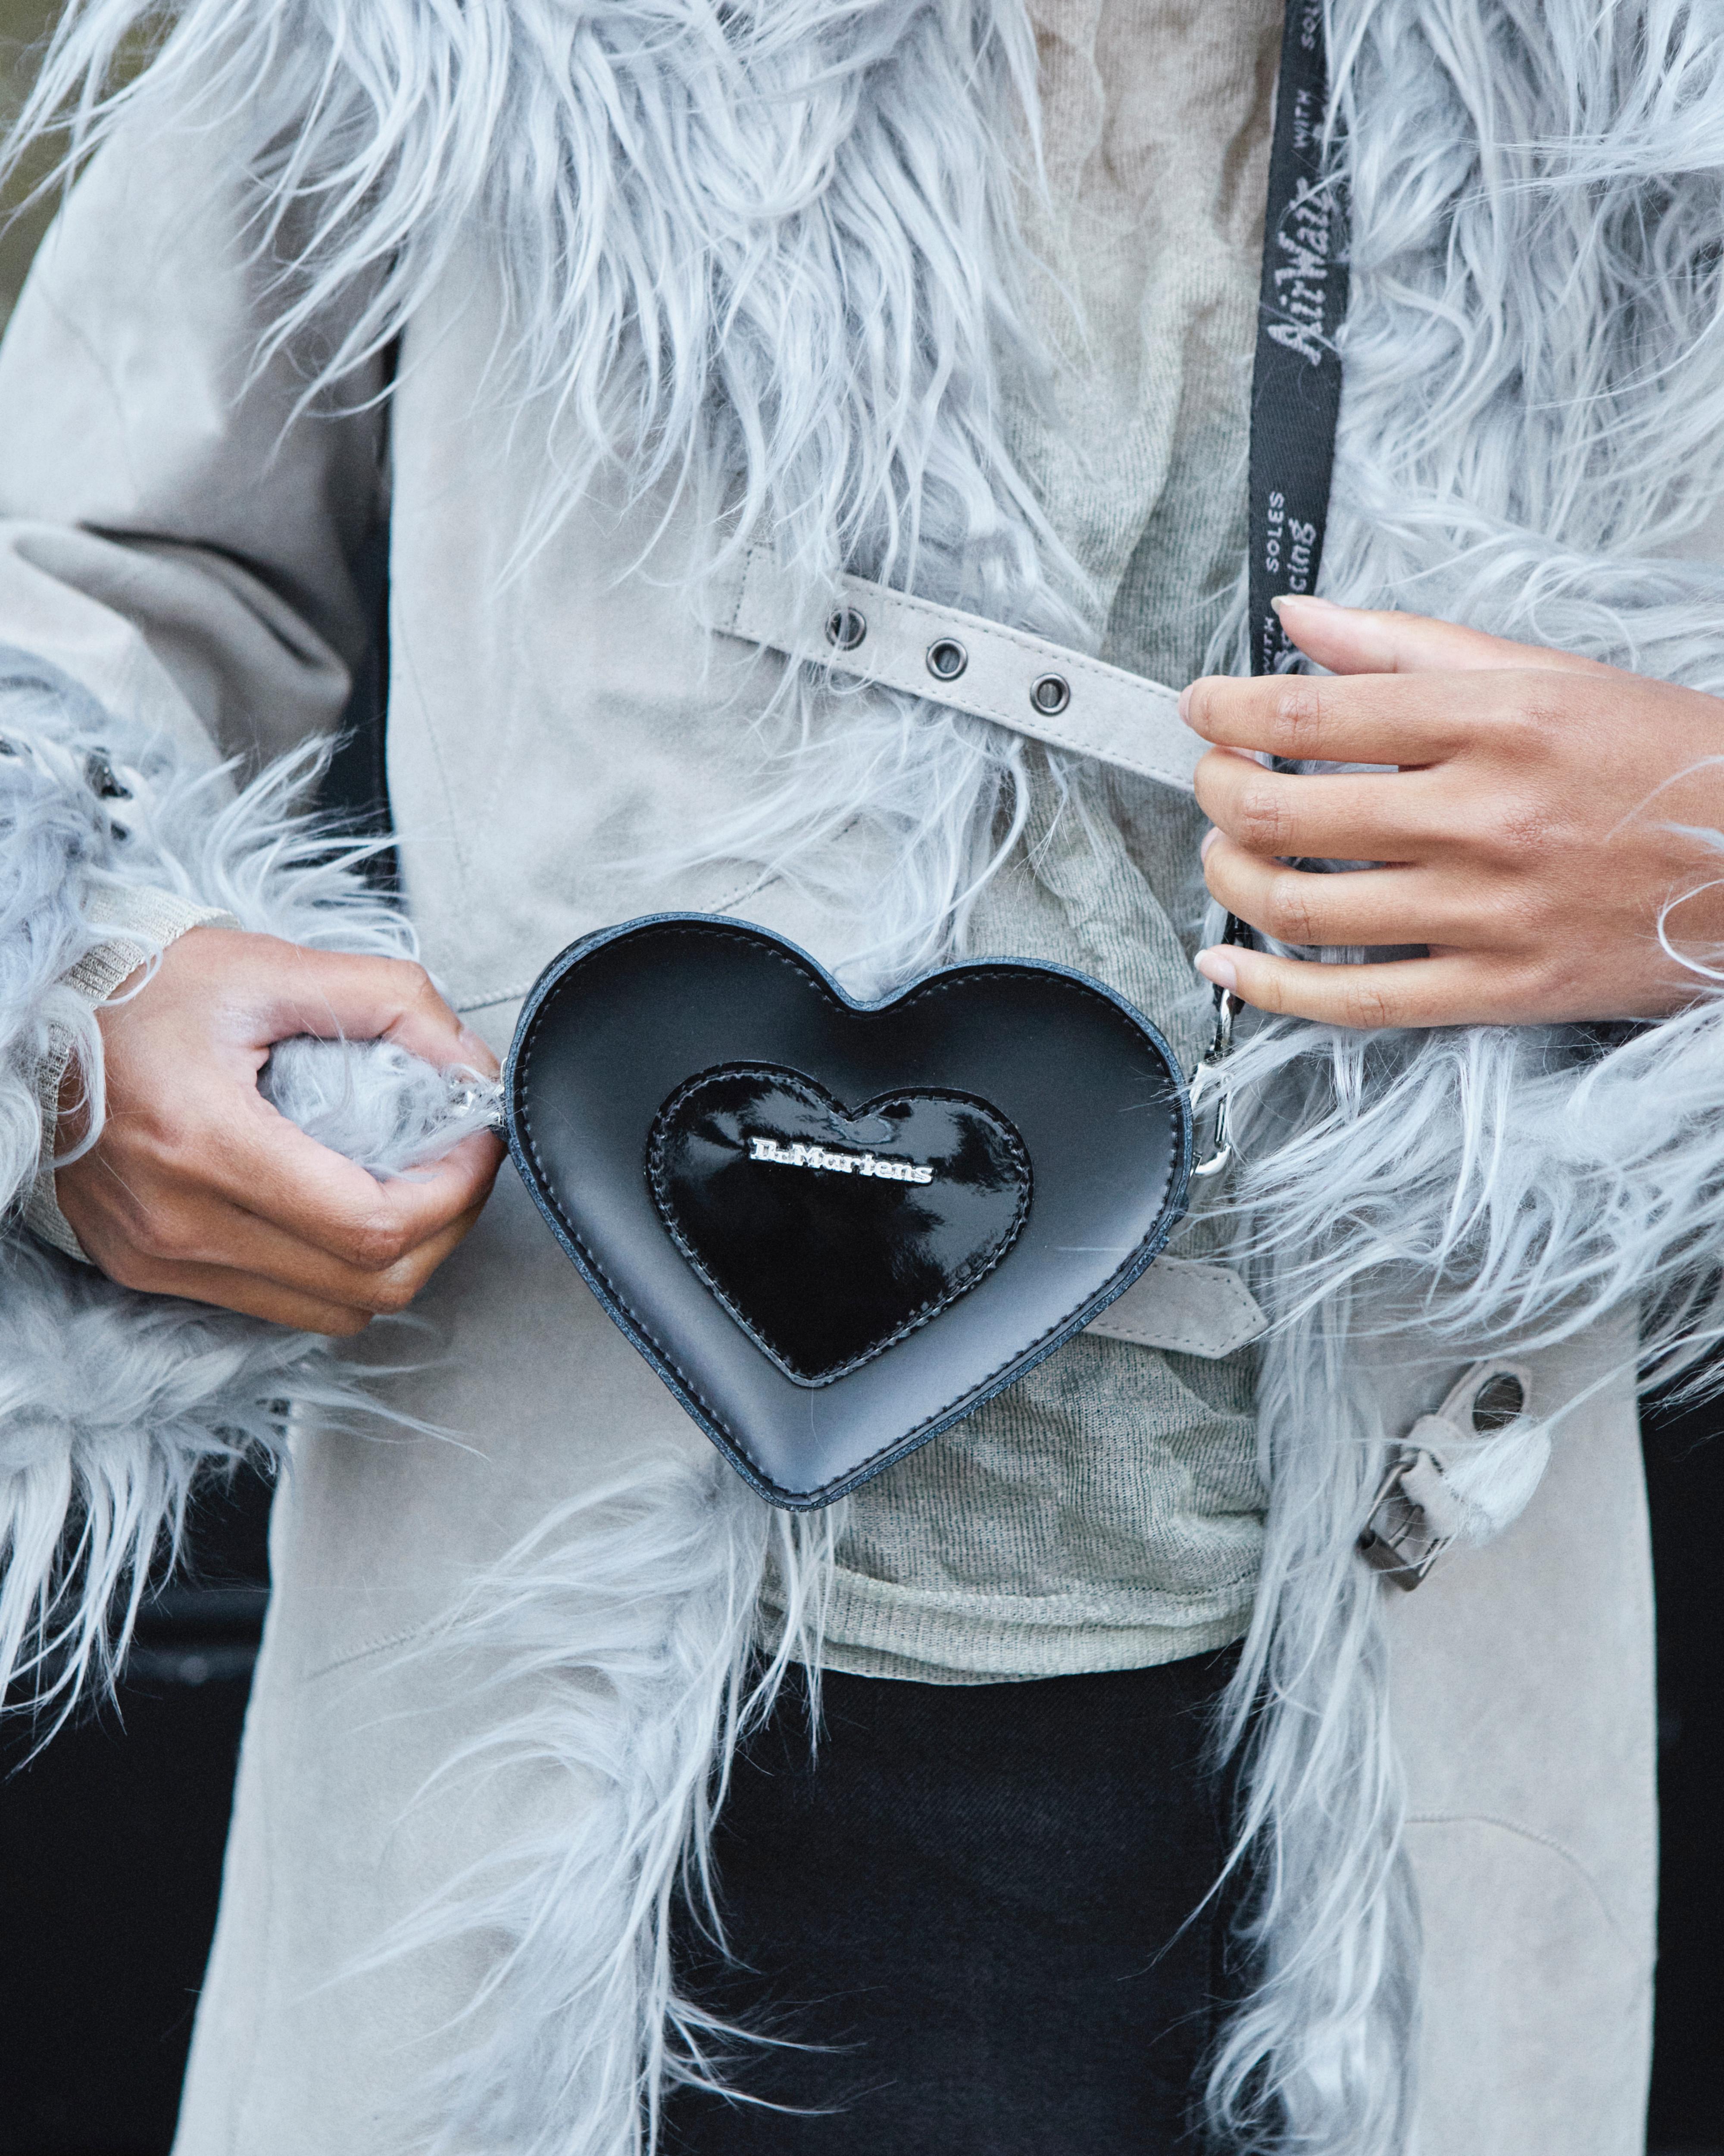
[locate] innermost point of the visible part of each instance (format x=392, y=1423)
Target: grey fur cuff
x=114, y=1403
x=149, y=921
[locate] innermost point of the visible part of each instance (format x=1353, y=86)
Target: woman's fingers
x=224, y=1288
x=290, y=1291
x=1373, y=816
x=169, y=1228
x=335, y=996
x=1352, y=907
x=253, y=1162
x=266, y=1167
x=1401, y=690
x=1447, y=990
x=388, y=1262
x=1364, y=640
x=1308, y=718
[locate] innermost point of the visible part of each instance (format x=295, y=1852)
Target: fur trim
x=375, y=1103
x=112, y=1406
x=626, y=1623
x=112, y=1403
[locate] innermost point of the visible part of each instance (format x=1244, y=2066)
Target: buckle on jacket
x=1418, y=1513
x=1410, y=1527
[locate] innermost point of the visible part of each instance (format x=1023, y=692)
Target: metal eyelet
x=947, y=659
x=1497, y=1403
x=845, y=627
x=1049, y=693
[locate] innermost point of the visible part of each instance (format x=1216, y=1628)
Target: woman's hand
x=1527, y=836
x=198, y=1188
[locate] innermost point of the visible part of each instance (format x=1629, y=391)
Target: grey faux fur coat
x=496, y=1675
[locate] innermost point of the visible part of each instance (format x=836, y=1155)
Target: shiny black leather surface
x=802, y=1218
x=819, y=1323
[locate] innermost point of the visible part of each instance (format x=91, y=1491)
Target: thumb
x=1361, y=640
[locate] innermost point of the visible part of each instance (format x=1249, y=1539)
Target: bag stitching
x=924, y=1312
x=815, y=982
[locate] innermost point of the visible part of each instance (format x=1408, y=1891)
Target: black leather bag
x=834, y=1228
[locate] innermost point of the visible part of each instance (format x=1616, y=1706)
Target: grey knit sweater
x=1105, y=1512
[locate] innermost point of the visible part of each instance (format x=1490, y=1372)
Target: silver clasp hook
x=1202, y=1083
x=1228, y=1006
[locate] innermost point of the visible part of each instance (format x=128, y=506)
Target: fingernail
x=1185, y=701
x=1303, y=599
x=1209, y=838
x=1214, y=965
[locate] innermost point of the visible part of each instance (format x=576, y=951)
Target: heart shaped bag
x=835, y=1228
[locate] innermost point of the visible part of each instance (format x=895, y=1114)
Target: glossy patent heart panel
x=829, y=1236
x=833, y=1229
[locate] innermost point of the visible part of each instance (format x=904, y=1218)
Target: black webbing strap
x=1296, y=381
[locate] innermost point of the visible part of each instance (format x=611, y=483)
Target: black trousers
x=977, y=1904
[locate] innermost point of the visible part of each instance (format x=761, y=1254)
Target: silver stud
x=1050, y=694
x=845, y=627
x=947, y=659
